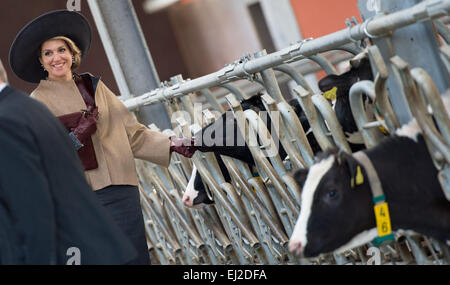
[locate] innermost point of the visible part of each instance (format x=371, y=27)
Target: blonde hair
x=76, y=52
x=3, y=75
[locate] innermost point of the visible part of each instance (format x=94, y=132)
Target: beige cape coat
x=119, y=137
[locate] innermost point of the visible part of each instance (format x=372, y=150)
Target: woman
x=106, y=135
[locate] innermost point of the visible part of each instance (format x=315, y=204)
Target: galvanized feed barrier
x=253, y=217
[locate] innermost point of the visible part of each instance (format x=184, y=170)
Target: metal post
x=408, y=43
x=128, y=55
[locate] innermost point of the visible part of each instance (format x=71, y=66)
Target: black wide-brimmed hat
x=23, y=56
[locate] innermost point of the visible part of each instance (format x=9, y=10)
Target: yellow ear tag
x=383, y=219
x=330, y=94
x=383, y=130
x=359, y=179
x=359, y=176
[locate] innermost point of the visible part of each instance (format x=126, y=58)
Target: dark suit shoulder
x=12, y=95
x=19, y=109
x=9, y=91
x=17, y=104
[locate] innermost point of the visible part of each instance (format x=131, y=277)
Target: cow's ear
x=300, y=176
x=328, y=82
x=353, y=167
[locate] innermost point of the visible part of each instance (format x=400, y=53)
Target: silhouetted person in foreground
x=48, y=212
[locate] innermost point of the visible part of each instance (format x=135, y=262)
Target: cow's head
x=222, y=137
x=334, y=209
x=254, y=103
x=339, y=85
x=195, y=195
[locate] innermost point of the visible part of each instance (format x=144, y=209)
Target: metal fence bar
x=370, y=136
x=293, y=126
x=263, y=164
x=379, y=26
x=424, y=121
x=295, y=157
x=381, y=94
x=327, y=113
x=245, y=232
x=316, y=123
x=296, y=76
x=304, y=66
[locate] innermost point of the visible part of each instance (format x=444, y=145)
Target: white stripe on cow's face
x=358, y=240
x=315, y=174
x=410, y=130
x=190, y=193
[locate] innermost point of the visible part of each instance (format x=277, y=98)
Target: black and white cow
x=360, y=70
x=335, y=217
x=195, y=194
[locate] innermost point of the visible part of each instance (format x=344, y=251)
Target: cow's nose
x=187, y=201
x=295, y=247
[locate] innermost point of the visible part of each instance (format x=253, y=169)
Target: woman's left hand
x=87, y=124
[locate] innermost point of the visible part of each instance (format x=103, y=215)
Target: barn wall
x=321, y=17
x=212, y=33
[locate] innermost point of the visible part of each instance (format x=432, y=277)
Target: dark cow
x=336, y=217
x=195, y=193
x=360, y=70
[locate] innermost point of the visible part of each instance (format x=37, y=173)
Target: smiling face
x=56, y=57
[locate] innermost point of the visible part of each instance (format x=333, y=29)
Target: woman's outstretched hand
x=183, y=146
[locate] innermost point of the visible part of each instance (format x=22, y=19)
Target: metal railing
x=253, y=217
